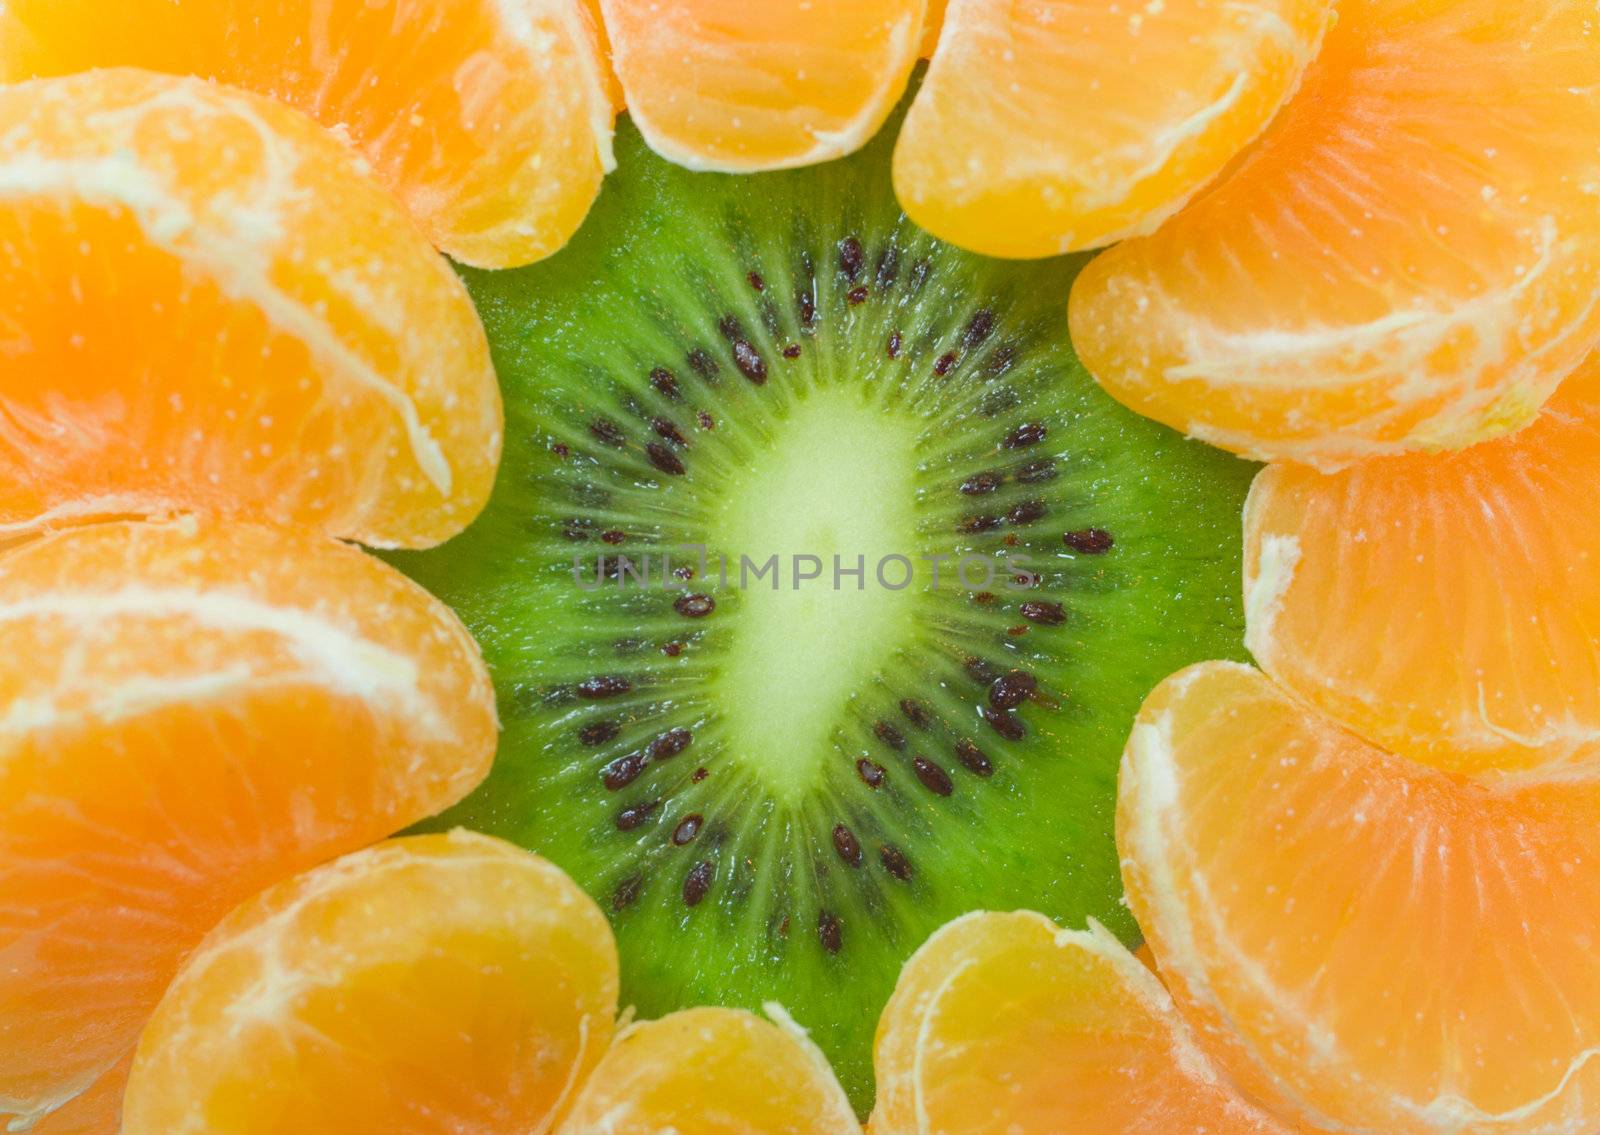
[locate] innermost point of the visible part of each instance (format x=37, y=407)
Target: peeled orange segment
x=204, y=305
x=490, y=120
x=1392, y=266
x=1364, y=943
x=1005, y=1024
x=98, y=1111
x=187, y=714
x=713, y=1072
x=1465, y=590
x=1048, y=126
x=437, y=984
x=730, y=85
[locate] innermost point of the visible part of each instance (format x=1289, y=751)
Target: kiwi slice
x=748, y=419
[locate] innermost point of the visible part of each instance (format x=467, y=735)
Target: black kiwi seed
x=889, y=735
x=1003, y=722
x=1029, y=433
x=627, y=892
x=603, y=686
x=598, y=732
x=933, y=778
x=895, y=862
x=664, y=459
x=697, y=884
x=784, y=364
x=846, y=844
x=1011, y=689
x=974, y=759
x=666, y=382
x=1088, y=541
x=830, y=932
x=669, y=744
x=981, y=484
x=694, y=606
x=623, y=771
x=1043, y=612
x=635, y=815
x=604, y=429
x=916, y=713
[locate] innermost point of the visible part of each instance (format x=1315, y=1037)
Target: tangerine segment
x=436, y=984
x=730, y=85
x=1048, y=126
x=1005, y=1024
x=98, y=1111
x=1365, y=943
x=1467, y=632
x=188, y=713
x=713, y=1072
x=490, y=120
x=1391, y=267
x=204, y=306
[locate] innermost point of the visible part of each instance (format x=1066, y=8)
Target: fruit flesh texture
x=714, y=1072
x=490, y=121
x=1051, y=126
x=730, y=85
x=780, y=695
x=209, y=308
x=191, y=713
x=1465, y=588
x=436, y=984
x=1390, y=267
x=1005, y=1024
x=1413, y=956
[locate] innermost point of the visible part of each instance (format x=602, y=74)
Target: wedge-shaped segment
x=1365, y=943
x=1408, y=258
x=205, y=305
x=1465, y=587
x=187, y=714
x=490, y=119
x=713, y=1072
x=1005, y=1024
x=437, y=984
x=1048, y=126
x=730, y=85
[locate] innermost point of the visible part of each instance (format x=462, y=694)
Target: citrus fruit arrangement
x=603, y=567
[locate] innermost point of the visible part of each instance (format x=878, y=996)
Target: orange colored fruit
x=1005, y=1024
x=205, y=306
x=1464, y=587
x=1046, y=126
x=189, y=713
x=1390, y=267
x=1365, y=943
x=98, y=1111
x=444, y=983
x=713, y=1072
x=730, y=85
x=490, y=120
x=932, y=24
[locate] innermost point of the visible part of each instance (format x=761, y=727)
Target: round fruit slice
x=729, y=85
x=430, y=985
x=713, y=1072
x=188, y=713
x=1365, y=943
x=1390, y=268
x=1465, y=587
x=821, y=586
x=1047, y=126
x=490, y=120
x=1005, y=1024
x=205, y=306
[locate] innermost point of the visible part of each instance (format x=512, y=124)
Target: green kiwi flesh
x=778, y=793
